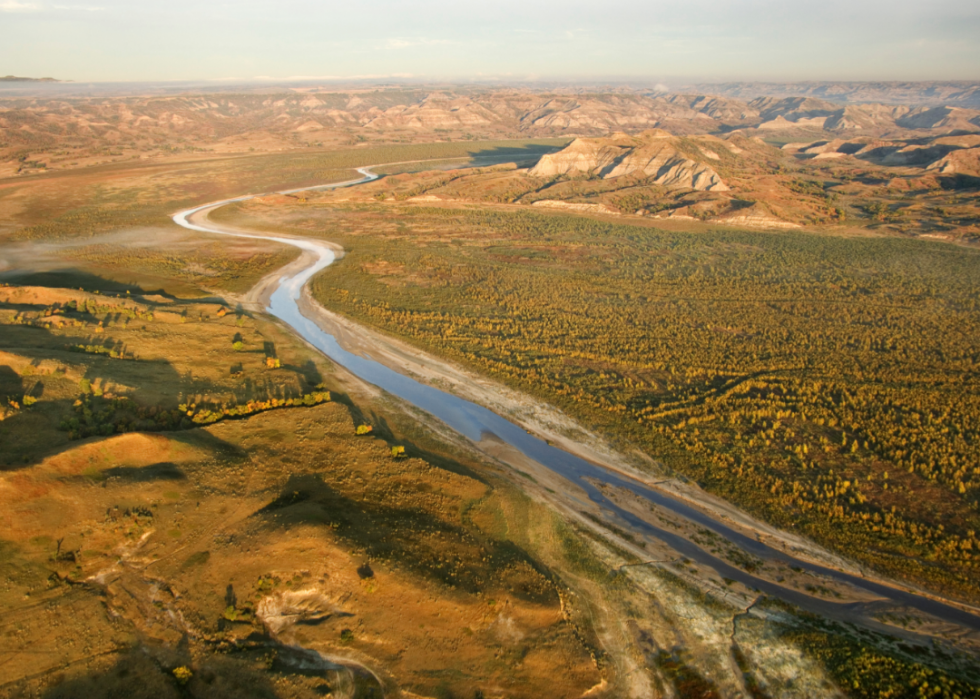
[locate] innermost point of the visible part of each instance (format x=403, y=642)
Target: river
x=476, y=422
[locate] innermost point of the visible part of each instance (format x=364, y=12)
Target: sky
x=492, y=40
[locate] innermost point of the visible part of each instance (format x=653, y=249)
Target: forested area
x=827, y=384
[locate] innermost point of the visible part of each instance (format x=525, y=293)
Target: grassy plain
x=95, y=200
x=110, y=224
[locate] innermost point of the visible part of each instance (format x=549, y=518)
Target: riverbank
x=411, y=375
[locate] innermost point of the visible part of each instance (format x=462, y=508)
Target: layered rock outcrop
x=655, y=154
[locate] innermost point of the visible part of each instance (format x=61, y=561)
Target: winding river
x=476, y=422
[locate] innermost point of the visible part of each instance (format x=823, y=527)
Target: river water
x=476, y=422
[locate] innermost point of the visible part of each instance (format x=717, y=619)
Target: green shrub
x=183, y=675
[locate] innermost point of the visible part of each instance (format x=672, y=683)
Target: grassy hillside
x=158, y=483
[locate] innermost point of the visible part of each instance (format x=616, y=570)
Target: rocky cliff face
x=655, y=154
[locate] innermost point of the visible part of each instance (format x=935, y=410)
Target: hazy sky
x=110, y=40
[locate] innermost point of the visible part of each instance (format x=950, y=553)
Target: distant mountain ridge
x=961, y=93
x=17, y=79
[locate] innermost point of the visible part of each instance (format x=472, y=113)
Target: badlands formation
x=56, y=130
x=653, y=153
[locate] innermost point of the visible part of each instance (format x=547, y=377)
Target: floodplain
x=197, y=503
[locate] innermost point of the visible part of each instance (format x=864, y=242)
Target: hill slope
x=655, y=154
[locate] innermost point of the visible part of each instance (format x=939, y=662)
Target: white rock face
x=653, y=153
x=755, y=217
x=283, y=610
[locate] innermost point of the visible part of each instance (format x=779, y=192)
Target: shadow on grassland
x=73, y=279
x=70, y=414
x=151, y=675
x=402, y=528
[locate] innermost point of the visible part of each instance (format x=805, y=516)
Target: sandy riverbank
x=536, y=417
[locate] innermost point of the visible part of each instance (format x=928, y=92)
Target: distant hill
x=17, y=79
x=960, y=93
x=654, y=154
